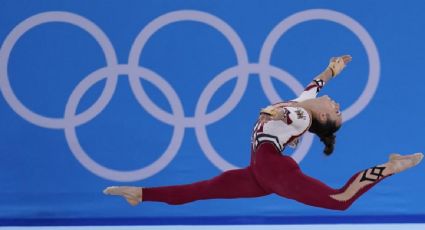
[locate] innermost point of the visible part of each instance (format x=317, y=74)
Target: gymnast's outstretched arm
x=336, y=65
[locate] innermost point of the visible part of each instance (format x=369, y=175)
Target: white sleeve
x=311, y=91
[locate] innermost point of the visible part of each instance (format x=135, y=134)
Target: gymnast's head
x=326, y=120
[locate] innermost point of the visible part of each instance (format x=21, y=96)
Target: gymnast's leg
x=237, y=183
x=282, y=175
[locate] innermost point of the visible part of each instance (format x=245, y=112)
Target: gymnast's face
x=329, y=110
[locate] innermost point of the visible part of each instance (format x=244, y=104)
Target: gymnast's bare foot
x=399, y=163
x=133, y=195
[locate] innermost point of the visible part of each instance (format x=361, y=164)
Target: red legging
x=269, y=172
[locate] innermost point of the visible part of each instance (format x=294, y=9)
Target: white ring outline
x=221, y=79
x=47, y=17
x=102, y=171
x=177, y=16
x=341, y=19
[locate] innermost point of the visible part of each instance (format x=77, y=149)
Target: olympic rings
x=176, y=118
x=21, y=29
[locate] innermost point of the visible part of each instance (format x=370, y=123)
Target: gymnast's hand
x=337, y=64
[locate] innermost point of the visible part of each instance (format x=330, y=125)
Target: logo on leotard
x=284, y=116
x=300, y=114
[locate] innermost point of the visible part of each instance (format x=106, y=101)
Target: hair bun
x=329, y=142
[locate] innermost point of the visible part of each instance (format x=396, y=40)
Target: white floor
x=236, y=227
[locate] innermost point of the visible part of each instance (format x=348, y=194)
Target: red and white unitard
x=271, y=172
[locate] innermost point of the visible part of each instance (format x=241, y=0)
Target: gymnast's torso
x=280, y=124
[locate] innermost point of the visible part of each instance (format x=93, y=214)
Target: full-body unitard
x=271, y=172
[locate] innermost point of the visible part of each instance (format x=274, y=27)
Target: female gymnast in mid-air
x=272, y=172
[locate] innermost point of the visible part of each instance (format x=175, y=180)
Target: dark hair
x=326, y=133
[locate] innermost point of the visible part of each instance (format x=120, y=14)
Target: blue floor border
x=227, y=220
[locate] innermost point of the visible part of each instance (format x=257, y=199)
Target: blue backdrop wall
x=150, y=93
